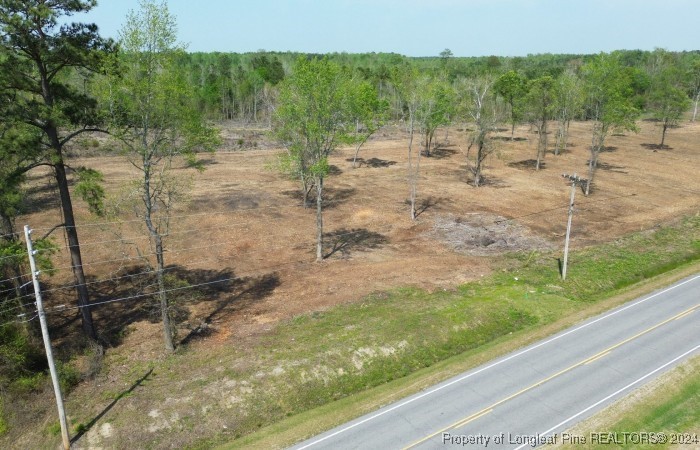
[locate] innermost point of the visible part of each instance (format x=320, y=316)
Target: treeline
x=244, y=87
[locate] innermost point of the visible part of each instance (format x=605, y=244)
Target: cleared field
x=246, y=221
x=245, y=233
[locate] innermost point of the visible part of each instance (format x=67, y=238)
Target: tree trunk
x=592, y=163
x=412, y=181
x=560, y=138
x=664, y=127
x=164, y=307
x=305, y=191
x=541, y=143
x=319, y=219
x=695, y=107
x=74, y=246
x=479, y=160
x=357, y=150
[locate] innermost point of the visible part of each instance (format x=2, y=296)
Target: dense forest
x=243, y=86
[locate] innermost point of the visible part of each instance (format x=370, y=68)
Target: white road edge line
x=471, y=374
x=614, y=394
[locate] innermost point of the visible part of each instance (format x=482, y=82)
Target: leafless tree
x=479, y=106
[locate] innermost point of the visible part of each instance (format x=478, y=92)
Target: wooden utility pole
x=47, y=340
x=575, y=181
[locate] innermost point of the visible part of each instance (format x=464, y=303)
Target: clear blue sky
x=424, y=27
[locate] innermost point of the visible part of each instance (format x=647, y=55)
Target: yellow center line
x=590, y=359
x=685, y=314
x=596, y=358
x=473, y=417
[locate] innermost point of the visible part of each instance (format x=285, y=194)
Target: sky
x=423, y=27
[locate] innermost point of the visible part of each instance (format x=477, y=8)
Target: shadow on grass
x=508, y=138
x=441, y=153
x=527, y=164
x=131, y=296
x=344, y=241
x=84, y=429
x=428, y=203
x=656, y=147
x=373, y=162
x=332, y=197
x=252, y=289
x=611, y=168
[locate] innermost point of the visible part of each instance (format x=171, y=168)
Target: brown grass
x=251, y=229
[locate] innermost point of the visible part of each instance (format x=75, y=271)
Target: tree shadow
x=373, y=162
x=251, y=289
x=333, y=197
x=207, y=162
x=441, y=153
x=344, y=241
x=40, y=195
x=428, y=203
x=131, y=296
x=656, y=147
x=232, y=202
x=491, y=182
x=508, y=139
x=123, y=394
x=334, y=170
x=611, y=167
x=608, y=149
x=527, y=164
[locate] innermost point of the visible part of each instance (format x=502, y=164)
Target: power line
x=13, y=256
x=21, y=305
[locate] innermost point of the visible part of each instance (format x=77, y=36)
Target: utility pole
x=575, y=181
x=47, y=339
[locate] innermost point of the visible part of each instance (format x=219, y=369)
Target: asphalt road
x=525, y=398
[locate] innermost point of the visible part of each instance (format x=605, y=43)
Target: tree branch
x=82, y=130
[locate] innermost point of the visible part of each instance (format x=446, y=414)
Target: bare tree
x=540, y=102
x=480, y=107
x=423, y=100
x=568, y=104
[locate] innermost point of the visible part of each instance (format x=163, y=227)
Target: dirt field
x=245, y=221
x=245, y=237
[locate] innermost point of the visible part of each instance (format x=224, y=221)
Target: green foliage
x=90, y=189
x=512, y=87
x=152, y=108
x=315, y=115
x=609, y=92
x=25, y=384
x=268, y=68
x=540, y=98
x=38, y=53
x=53, y=429
x=3, y=422
x=668, y=99
x=68, y=376
x=568, y=97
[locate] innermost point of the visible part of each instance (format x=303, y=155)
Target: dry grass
x=251, y=231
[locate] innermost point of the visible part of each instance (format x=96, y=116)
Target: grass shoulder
x=355, y=358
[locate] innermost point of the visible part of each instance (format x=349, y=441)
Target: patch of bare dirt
x=485, y=234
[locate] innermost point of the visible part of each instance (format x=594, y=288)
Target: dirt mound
x=482, y=234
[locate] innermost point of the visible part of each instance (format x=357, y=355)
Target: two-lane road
x=528, y=396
